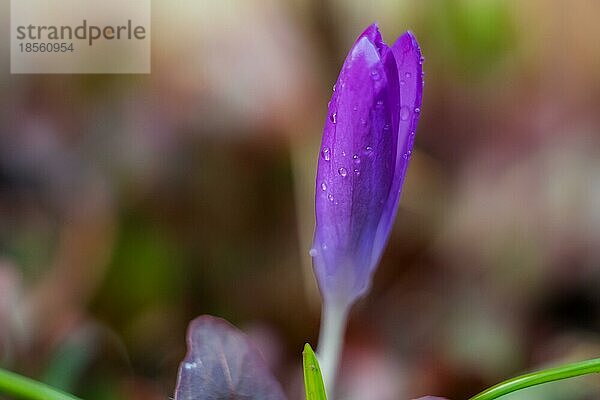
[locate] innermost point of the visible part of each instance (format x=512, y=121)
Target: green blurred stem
x=537, y=378
x=27, y=389
x=331, y=342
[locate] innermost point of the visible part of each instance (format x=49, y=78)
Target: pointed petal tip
x=372, y=29
x=373, y=34
x=408, y=42
x=411, y=35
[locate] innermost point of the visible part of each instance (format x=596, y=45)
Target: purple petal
x=356, y=167
x=374, y=36
x=410, y=72
x=222, y=363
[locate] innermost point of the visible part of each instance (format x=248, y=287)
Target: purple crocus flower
x=367, y=143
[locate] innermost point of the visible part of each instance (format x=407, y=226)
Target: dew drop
x=343, y=172
x=190, y=365
x=324, y=186
x=313, y=252
x=411, y=140
x=356, y=172
x=333, y=118
x=324, y=246
x=334, y=87
x=368, y=150
x=326, y=154
x=330, y=197
x=404, y=113
x=356, y=159
x=417, y=110
x=375, y=75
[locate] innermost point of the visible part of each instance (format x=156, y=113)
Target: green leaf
x=313, y=381
x=24, y=388
x=537, y=378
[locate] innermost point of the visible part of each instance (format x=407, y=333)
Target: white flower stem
x=331, y=342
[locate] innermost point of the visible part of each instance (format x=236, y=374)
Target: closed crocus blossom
x=367, y=143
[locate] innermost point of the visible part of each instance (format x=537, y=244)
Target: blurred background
x=131, y=204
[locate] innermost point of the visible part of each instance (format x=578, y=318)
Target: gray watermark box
x=80, y=36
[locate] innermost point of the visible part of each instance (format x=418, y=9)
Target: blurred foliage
x=145, y=272
x=472, y=36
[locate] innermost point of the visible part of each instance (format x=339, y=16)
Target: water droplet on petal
x=333, y=117
x=334, y=87
x=190, y=365
x=326, y=154
x=368, y=150
x=343, y=172
x=313, y=252
x=330, y=197
x=404, y=113
x=417, y=110
x=324, y=186
x=375, y=75
x=411, y=140
x=356, y=172
x=356, y=159
x=324, y=246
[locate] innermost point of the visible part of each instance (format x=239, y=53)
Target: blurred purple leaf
x=222, y=363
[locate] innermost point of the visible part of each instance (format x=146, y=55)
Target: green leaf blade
x=313, y=381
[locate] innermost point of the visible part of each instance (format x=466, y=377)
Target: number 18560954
x=34, y=47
